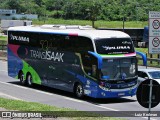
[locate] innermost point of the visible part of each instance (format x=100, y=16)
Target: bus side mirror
x=146, y=78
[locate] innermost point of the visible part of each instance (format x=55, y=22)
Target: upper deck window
x=114, y=46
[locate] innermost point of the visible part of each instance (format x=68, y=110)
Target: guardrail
x=151, y=59
x=155, y=62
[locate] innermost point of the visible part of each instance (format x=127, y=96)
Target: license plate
x=121, y=94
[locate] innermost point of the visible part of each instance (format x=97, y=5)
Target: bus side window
x=90, y=65
x=86, y=64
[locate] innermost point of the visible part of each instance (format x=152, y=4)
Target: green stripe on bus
x=35, y=77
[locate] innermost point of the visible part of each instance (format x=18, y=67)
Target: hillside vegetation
x=109, y=10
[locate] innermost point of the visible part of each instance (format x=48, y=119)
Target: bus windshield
x=119, y=69
x=114, y=46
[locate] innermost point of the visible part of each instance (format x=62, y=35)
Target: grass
x=32, y=106
x=98, y=24
x=4, y=38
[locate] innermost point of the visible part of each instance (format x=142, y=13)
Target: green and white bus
x=78, y=59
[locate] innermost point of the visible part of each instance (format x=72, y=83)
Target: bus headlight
x=108, y=85
x=132, y=69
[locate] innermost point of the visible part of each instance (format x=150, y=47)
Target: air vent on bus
x=60, y=27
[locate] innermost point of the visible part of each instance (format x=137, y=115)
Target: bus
x=78, y=59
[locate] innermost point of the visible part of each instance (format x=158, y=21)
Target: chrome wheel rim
x=29, y=80
x=22, y=78
x=79, y=91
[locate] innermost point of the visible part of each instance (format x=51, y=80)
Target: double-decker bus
x=78, y=59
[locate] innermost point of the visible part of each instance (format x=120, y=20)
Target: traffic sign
x=154, y=45
x=155, y=42
x=143, y=93
x=154, y=32
x=156, y=24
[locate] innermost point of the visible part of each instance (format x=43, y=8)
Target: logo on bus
x=116, y=47
x=47, y=55
x=19, y=38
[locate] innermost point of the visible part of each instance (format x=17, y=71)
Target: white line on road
x=13, y=85
x=3, y=71
x=72, y=99
x=107, y=108
x=9, y=96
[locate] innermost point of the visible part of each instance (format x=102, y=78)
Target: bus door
x=91, y=64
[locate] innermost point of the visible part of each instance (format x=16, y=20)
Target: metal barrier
x=151, y=59
x=154, y=62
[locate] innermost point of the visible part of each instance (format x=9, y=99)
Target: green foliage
x=110, y=10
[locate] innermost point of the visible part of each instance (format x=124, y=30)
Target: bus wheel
x=22, y=80
x=79, y=92
x=29, y=80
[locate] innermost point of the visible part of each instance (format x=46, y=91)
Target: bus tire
x=29, y=80
x=21, y=78
x=79, y=91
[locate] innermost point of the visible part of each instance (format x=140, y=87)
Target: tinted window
x=118, y=68
x=66, y=43
x=114, y=46
x=34, y=39
x=51, y=41
x=90, y=65
x=79, y=44
x=155, y=74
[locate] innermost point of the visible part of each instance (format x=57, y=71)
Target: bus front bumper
x=101, y=92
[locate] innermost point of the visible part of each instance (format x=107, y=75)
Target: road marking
x=43, y=92
x=107, y=108
x=9, y=96
x=13, y=85
x=3, y=71
x=72, y=99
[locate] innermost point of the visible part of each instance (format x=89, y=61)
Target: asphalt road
x=10, y=88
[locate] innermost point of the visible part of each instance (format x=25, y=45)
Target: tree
x=14, y=4
x=94, y=9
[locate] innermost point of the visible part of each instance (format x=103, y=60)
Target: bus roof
x=72, y=30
